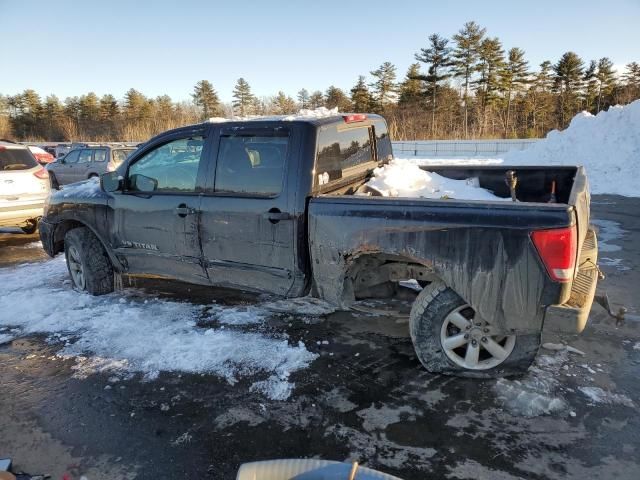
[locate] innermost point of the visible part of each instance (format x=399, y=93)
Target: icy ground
x=131, y=332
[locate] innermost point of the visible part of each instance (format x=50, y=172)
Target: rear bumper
x=16, y=216
x=572, y=316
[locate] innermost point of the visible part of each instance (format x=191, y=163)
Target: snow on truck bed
x=403, y=178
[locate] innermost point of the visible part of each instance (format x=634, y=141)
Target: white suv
x=24, y=187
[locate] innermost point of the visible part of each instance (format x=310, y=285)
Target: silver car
x=87, y=162
x=24, y=187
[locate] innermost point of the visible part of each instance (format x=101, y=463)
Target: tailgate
x=580, y=199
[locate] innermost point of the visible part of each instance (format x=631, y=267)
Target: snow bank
x=607, y=145
x=129, y=332
x=403, y=178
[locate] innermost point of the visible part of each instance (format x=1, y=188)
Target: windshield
x=16, y=159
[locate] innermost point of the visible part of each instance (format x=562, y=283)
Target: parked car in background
x=24, y=187
x=86, y=162
x=43, y=157
x=61, y=150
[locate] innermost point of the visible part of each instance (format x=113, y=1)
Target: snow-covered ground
x=131, y=332
x=607, y=145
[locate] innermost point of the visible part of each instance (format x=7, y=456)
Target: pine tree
x=411, y=91
x=491, y=66
x=360, y=96
x=437, y=57
x=244, y=101
x=316, y=100
x=631, y=79
x=303, y=98
x=284, y=104
x=205, y=97
x=384, y=87
x=335, y=97
x=515, y=76
x=135, y=104
x=465, y=61
x=590, y=82
x=542, y=97
x=568, y=82
x=606, y=77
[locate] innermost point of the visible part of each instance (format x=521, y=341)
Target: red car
x=41, y=156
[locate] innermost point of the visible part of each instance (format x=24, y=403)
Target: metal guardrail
x=463, y=148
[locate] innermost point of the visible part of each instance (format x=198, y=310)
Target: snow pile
x=598, y=395
x=126, y=332
x=607, y=145
x=536, y=393
x=304, y=114
x=403, y=178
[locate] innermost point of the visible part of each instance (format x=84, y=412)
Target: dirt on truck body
x=281, y=206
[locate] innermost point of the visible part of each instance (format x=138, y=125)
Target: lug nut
x=478, y=324
x=484, y=339
x=466, y=336
x=486, y=330
x=474, y=343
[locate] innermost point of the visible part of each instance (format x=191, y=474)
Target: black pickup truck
x=281, y=206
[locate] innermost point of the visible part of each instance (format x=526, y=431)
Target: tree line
x=466, y=86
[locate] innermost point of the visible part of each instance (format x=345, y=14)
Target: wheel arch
x=367, y=272
x=61, y=229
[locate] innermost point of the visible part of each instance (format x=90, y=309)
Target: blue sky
x=69, y=48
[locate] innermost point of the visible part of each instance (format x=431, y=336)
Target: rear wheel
x=88, y=263
x=449, y=337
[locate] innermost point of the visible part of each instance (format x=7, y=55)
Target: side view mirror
x=111, y=182
x=142, y=183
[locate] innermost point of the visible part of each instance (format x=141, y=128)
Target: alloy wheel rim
x=471, y=342
x=75, y=267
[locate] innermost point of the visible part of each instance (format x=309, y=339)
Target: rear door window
x=16, y=159
x=383, y=142
x=85, y=156
x=343, y=152
x=252, y=163
x=119, y=156
x=99, y=155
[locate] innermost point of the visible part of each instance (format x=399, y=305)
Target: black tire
x=31, y=228
x=431, y=308
x=97, y=270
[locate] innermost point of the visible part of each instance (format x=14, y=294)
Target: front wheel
x=450, y=338
x=88, y=263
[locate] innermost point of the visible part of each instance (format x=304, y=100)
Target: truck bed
x=480, y=249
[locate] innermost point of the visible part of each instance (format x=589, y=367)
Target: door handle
x=183, y=210
x=275, y=215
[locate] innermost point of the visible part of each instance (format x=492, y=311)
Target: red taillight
x=557, y=248
x=356, y=117
x=42, y=174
